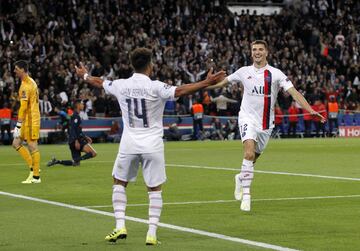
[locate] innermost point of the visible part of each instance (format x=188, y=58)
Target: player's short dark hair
x=263, y=42
x=22, y=64
x=140, y=59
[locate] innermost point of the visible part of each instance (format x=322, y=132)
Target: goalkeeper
x=78, y=141
x=28, y=125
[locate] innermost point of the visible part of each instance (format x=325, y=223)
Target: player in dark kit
x=78, y=141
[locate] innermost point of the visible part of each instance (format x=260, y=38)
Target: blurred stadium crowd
x=315, y=43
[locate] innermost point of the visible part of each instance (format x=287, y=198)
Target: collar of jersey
x=26, y=79
x=140, y=75
x=260, y=69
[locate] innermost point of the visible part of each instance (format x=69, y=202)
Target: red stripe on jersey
x=267, y=100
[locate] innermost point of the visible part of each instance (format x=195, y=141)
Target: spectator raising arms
x=53, y=40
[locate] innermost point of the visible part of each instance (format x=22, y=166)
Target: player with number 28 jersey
x=262, y=84
x=261, y=87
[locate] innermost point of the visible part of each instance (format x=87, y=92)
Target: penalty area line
x=164, y=225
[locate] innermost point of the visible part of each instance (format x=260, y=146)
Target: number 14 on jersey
x=137, y=109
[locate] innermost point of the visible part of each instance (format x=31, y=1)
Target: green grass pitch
x=299, y=221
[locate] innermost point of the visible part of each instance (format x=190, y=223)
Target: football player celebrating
x=262, y=84
x=142, y=102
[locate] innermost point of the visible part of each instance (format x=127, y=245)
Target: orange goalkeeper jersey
x=29, y=97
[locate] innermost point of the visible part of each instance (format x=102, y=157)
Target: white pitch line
x=268, y=172
x=225, y=169
x=227, y=201
x=169, y=203
x=165, y=225
x=311, y=198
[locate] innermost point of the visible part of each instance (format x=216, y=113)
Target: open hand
x=81, y=70
x=215, y=78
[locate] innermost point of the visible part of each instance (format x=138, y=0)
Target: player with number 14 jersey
x=142, y=103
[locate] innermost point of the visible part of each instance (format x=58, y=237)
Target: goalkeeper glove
x=17, y=130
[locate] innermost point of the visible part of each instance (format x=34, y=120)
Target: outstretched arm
x=211, y=79
x=220, y=84
x=299, y=98
x=82, y=72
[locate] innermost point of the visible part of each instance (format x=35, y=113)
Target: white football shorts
x=249, y=131
x=126, y=168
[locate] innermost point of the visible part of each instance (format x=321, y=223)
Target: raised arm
x=299, y=98
x=211, y=79
x=50, y=107
x=82, y=72
x=2, y=30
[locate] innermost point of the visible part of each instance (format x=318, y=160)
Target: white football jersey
x=261, y=87
x=142, y=102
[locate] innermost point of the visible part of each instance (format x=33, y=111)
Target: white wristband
x=86, y=75
x=18, y=124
